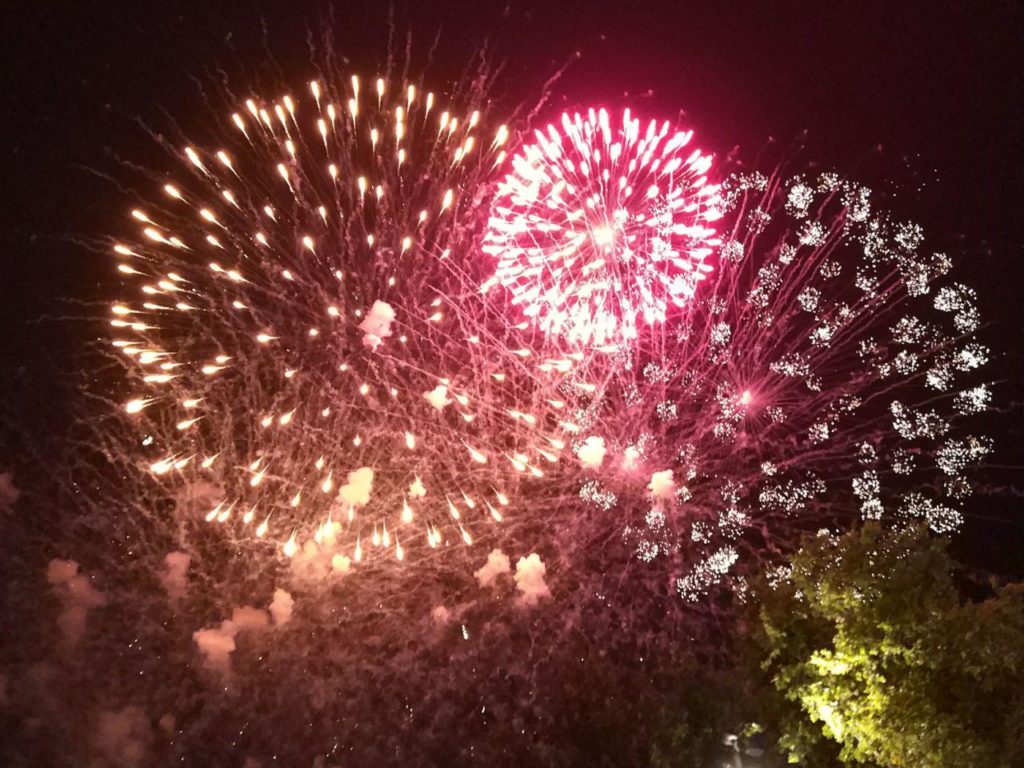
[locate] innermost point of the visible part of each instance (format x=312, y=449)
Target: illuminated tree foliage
x=869, y=645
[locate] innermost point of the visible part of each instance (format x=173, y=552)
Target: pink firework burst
x=598, y=228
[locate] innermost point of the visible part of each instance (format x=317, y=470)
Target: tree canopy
x=873, y=655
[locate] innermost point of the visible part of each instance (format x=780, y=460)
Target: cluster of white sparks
x=821, y=372
x=317, y=345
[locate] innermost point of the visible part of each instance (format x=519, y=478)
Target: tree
x=869, y=648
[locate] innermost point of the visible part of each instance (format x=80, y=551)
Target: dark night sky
x=939, y=86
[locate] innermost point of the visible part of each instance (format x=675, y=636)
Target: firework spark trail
x=309, y=349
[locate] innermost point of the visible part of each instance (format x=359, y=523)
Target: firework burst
x=827, y=370
x=306, y=347
x=598, y=227
x=325, y=365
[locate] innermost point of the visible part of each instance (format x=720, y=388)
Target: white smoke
x=441, y=615
x=530, y=579
x=376, y=326
x=417, y=489
x=662, y=484
x=218, y=643
x=592, y=452
x=438, y=396
x=497, y=564
x=174, y=576
x=357, y=490
x=77, y=597
x=281, y=607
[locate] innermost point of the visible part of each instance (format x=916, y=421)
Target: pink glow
x=598, y=228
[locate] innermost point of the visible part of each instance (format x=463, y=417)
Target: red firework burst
x=597, y=228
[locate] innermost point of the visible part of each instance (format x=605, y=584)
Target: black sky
x=938, y=86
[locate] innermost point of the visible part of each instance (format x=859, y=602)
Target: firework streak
x=360, y=331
